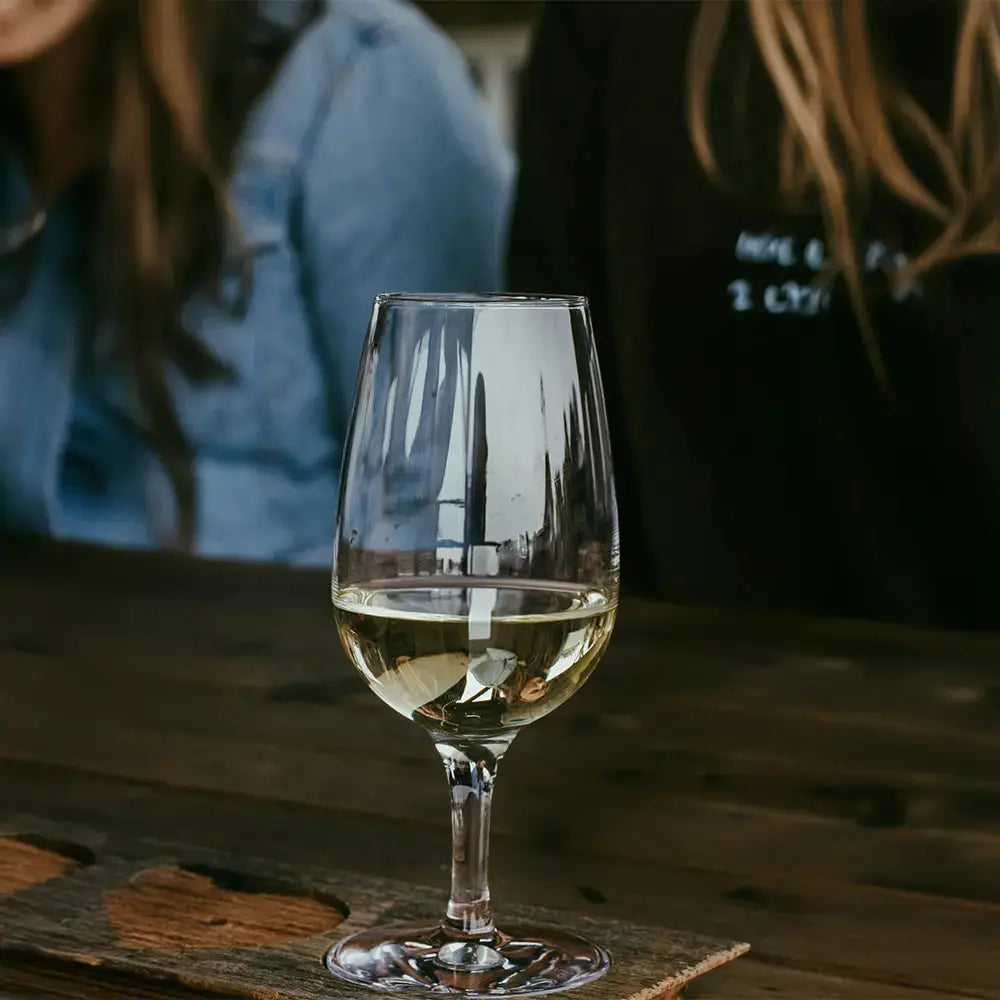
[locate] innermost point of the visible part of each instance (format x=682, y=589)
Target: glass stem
x=472, y=770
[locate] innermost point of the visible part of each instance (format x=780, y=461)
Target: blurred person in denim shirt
x=198, y=201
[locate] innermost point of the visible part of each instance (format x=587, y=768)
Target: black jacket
x=759, y=462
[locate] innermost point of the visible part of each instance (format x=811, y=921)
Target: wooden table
x=828, y=791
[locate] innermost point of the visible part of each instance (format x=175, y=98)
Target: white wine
x=474, y=656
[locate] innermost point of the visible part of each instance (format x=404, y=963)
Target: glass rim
x=445, y=299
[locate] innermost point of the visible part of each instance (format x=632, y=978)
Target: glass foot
x=427, y=960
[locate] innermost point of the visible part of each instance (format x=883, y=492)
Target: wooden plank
x=160, y=916
x=713, y=741
x=800, y=760
x=726, y=641
x=755, y=980
x=780, y=754
x=27, y=978
x=336, y=714
x=746, y=979
x=712, y=836
x=259, y=629
x=837, y=766
x=766, y=696
x=886, y=937
x=207, y=588
x=703, y=833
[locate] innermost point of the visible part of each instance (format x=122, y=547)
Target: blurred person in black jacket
x=785, y=215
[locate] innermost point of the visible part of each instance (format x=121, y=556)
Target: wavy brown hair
x=846, y=122
x=176, y=79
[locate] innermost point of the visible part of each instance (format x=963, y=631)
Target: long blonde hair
x=844, y=117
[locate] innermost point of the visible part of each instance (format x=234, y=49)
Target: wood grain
x=893, y=937
x=176, y=908
x=828, y=790
x=750, y=979
x=746, y=979
x=157, y=927
x=49, y=979
x=24, y=865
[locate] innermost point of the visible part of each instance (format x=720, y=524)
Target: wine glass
x=475, y=586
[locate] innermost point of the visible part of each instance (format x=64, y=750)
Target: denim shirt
x=367, y=166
